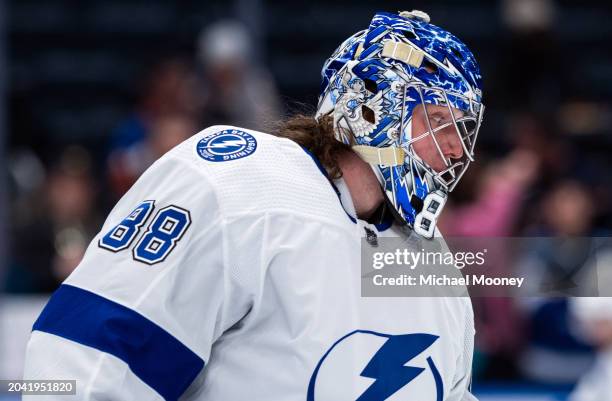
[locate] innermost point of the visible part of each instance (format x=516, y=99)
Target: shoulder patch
x=229, y=144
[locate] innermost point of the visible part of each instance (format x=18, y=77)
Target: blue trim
x=437, y=379
x=384, y=225
x=317, y=162
x=324, y=172
x=153, y=354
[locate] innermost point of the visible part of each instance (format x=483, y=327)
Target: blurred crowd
x=58, y=204
x=541, y=173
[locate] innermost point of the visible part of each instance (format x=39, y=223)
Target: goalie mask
x=406, y=95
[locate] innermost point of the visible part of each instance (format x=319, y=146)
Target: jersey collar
x=345, y=199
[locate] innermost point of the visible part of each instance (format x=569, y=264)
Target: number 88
x=162, y=235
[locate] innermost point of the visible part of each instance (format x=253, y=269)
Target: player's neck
x=362, y=184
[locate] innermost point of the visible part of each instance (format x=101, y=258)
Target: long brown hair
x=316, y=136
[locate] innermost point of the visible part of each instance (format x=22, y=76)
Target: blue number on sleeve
x=122, y=235
x=164, y=232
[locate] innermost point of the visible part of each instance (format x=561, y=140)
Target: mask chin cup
x=426, y=220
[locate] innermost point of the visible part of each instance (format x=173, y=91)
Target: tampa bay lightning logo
x=229, y=144
x=369, y=366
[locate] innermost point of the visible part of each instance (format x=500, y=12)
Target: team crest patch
x=229, y=144
x=366, y=365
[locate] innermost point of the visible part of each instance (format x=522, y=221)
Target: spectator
x=493, y=213
x=126, y=165
x=170, y=89
x=555, y=264
x=239, y=90
x=594, y=317
x=48, y=246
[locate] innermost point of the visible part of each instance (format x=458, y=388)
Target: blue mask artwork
x=375, y=84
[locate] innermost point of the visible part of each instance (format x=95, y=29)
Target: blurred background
x=93, y=92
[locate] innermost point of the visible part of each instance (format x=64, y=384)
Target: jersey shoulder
x=256, y=172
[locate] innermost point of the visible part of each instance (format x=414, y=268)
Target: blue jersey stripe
x=155, y=356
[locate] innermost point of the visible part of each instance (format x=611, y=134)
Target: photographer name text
x=444, y=280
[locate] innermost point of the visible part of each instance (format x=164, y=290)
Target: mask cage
x=466, y=127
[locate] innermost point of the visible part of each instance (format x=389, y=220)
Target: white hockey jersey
x=231, y=271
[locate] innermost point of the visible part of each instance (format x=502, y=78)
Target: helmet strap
x=387, y=156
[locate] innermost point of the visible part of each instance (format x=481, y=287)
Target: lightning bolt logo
x=226, y=144
x=388, y=366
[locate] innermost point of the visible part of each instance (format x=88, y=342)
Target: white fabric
x=99, y=376
x=263, y=283
x=596, y=384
